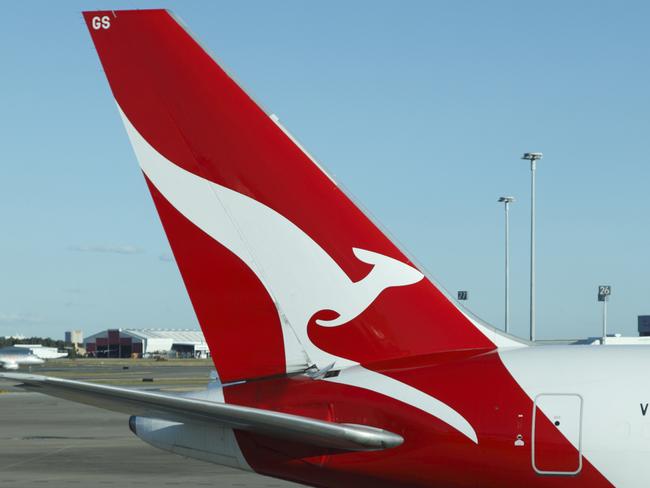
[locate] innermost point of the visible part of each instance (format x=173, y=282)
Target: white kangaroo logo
x=298, y=274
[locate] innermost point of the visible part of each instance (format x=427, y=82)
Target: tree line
x=45, y=341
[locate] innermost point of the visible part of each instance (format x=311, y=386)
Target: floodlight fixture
x=532, y=156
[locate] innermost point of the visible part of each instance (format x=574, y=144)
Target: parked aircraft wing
x=177, y=408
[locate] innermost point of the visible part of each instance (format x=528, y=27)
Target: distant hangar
x=127, y=343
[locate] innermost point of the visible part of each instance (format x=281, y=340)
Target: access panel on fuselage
x=557, y=434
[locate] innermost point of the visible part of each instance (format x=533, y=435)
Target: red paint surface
x=238, y=318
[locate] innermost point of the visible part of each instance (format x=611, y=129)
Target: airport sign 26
x=604, y=291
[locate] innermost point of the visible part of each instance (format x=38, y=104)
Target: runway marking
x=56, y=451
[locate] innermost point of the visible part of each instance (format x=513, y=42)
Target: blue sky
x=421, y=109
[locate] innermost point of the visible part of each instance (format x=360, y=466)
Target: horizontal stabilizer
x=182, y=409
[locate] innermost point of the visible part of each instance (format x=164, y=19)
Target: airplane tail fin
x=283, y=270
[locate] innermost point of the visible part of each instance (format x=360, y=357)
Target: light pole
x=533, y=158
x=506, y=205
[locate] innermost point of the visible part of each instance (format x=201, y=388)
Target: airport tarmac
x=53, y=443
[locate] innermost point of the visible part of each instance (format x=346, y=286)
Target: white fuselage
x=608, y=386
